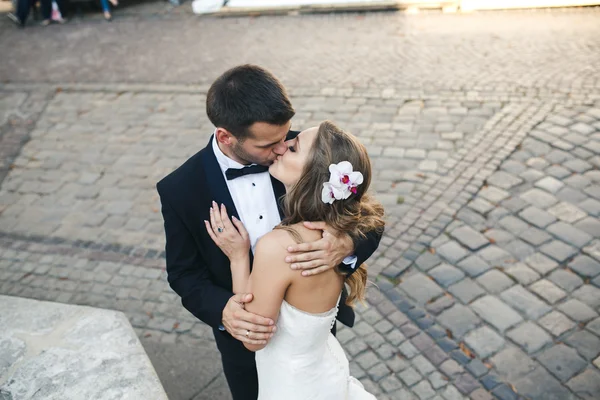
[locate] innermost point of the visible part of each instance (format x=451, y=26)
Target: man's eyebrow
x=269, y=145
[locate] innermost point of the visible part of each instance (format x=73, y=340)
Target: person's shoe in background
x=16, y=20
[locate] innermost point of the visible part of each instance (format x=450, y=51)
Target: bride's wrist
x=240, y=262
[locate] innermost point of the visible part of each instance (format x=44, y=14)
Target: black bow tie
x=233, y=173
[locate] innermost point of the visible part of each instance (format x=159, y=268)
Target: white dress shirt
x=253, y=197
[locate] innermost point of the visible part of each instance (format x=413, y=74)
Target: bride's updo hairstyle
x=356, y=215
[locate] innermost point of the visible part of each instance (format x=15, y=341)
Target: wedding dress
x=304, y=361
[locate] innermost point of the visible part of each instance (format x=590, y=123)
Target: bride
x=326, y=173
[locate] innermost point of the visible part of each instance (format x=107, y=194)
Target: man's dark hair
x=244, y=95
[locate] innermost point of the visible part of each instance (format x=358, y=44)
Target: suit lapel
x=216, y=182
x=279, y=191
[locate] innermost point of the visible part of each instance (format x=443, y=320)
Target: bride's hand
x=234, y=241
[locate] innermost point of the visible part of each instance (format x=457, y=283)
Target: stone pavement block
x=537, y=217
x=570, y=234
x=539, y=384
x=548, y=291
x=409, y=376
x=511, y=363
x=577, y=310
x=423, y=365
x=452, y=252
x=451, y=368
x=591, y=206
x=562, y=361
x=484, y=341
x=529, y=336
x=408, y=350
x=420, y=288
x=495, y=255
x=437, y=380
x=589, y=295
x=585, y=266
x=452, y=393
x=504, y=180
x=565, y=279
x=587, y=344
x=466, y=290
x=557, y=171
x=495, y=312
x=522, y=273
x=519, y=249
x=466, y=384
x=474, y=265
x=459, y=319
x=571, y=195
x=495, y=281
x=423, y=390
x=367, y=360
x=549, y=184
x=378, y=372
x=513, y=224
x=427, y=260
x=528, y=304
x=469, y=237
x=493, y=194
x=586, y=385
x=535, y=236
x=556, y=323
x=390, y=384
x=593, y=250
x=446, y=275
x=539, y=198
x=589, y=225
x=541, y=263
x=480, y=205
x=558, y=250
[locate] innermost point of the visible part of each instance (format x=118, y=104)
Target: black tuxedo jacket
x=197, y=269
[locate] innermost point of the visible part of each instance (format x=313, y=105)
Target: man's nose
x=280, y=149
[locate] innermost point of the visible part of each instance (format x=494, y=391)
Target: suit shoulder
x=183, y=176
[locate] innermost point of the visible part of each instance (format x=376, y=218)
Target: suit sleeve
x=366, y=246
x=188, y=274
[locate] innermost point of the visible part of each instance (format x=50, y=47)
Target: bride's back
x=317, y=293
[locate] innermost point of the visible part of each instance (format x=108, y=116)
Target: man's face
x=265, y=143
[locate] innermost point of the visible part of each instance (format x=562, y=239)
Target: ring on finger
x=247, y=333
x=220, y=229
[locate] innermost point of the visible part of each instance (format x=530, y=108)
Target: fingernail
x=271, y=322
x=274, y=328
x=290, y=249
x=304, y=273
x=294, y=266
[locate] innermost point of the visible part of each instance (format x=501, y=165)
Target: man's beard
x=241, y=154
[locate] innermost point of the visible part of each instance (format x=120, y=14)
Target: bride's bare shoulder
x=279, y=240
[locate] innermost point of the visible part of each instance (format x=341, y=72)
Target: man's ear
x=223, y=136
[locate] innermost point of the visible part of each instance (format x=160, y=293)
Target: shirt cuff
x=350, y=261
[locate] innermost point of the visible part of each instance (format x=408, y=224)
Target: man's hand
x=245, y=326
x=321, y=255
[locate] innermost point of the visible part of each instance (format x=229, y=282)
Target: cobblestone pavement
x=486, y=158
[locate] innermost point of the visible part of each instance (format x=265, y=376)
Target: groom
x=252, y=114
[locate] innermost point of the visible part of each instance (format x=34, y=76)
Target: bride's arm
x=270, y=277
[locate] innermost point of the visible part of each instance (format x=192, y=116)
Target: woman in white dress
x=326, y=172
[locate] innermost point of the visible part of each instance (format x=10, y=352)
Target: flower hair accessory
x=342, y=182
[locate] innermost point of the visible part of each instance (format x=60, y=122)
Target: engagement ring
x=219, y=229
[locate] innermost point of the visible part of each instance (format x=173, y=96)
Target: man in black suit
x=252, y=115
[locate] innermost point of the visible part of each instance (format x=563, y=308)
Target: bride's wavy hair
x=356, y=215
